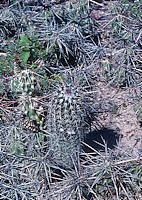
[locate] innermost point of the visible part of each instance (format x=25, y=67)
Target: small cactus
x=23, y=82
x=34, y=112
x=65, y=123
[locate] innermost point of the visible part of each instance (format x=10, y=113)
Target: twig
x=99, y=4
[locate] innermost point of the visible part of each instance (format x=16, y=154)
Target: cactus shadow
x=98, y=138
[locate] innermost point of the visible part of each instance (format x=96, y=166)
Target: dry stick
x=139, y=36
x=123, y=188
x=131, y=161
x=115, y=186
x=99, y=4
x=118, y=15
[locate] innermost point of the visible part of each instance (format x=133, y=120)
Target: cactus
x=23, y=82
x=65, y=123
x=25, y=85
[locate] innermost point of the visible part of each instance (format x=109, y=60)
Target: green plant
x=24, y=82
x=7, y=57
x=66, y=33
x=65, y=121
x=30, y=48
x=25, y=86
x=114, y=74
x=25, y=45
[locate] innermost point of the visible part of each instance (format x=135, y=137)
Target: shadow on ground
x=97, y=138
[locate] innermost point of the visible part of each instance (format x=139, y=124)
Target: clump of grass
x=121, y=66
x=104, y=176
x=7, y=22
x=99, y=175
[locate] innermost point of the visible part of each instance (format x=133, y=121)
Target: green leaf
x=24, y=40
x=25, y=55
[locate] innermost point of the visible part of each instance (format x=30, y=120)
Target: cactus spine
x=24, y=84
x=64, y=123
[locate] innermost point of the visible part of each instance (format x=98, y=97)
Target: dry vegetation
x=70, y=70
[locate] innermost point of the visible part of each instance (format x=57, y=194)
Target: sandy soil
x=123, y=119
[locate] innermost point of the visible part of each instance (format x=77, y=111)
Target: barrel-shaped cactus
x=65, y=123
